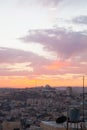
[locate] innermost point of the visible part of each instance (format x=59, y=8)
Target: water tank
x=74, y=115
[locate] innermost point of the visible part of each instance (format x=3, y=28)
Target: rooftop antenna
x=83, y=98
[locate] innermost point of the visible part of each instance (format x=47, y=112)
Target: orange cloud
x=57, y=65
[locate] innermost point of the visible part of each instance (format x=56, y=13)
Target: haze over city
x=43, y=42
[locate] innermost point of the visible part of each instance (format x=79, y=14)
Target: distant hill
x=75, y=89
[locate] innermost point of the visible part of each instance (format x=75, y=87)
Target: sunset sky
x=43, y=42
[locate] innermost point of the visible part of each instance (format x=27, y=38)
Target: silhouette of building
x=69, y=91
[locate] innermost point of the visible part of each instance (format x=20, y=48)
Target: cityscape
x=43, y=64
x=27, y=108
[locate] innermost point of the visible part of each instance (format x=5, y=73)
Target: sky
x=43, y=42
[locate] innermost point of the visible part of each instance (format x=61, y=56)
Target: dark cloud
x=80, y=20
x=65, y=44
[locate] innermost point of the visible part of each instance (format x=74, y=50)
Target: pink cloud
x=69, y=47
x=65, y=44
x=57, y=65
x=10, y=57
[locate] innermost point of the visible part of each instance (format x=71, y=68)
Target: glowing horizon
x=43, y=42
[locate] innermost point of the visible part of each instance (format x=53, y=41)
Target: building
x=69, y=91
x=11, y=125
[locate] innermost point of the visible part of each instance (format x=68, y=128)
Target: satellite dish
x=61, y=119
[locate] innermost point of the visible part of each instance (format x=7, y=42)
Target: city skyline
x=43, y=42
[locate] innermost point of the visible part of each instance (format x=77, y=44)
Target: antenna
x=83, y=98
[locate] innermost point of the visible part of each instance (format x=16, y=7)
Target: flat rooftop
x=52, y=125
